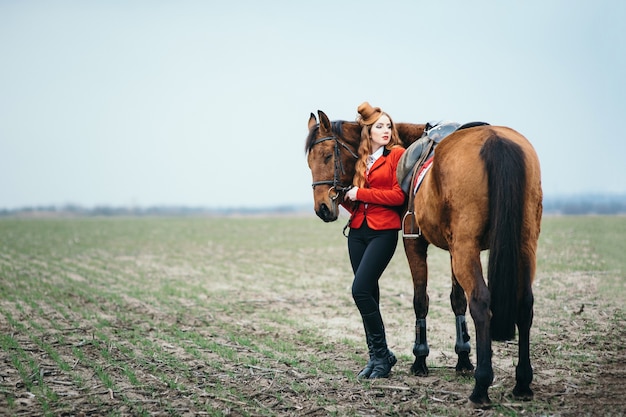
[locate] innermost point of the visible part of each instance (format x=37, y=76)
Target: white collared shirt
x=373, y=157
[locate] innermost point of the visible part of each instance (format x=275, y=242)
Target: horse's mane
x=336, y=127
x=409, y=133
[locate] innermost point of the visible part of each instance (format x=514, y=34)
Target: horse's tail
x=505, y=165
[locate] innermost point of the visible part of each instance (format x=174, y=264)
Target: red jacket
x=381, y=197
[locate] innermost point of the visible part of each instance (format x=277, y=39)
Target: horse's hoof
x=419, y=372
x=464, y=365
x=464, y=372
x=479, y=399
x=478, y=406
x=523, y=394
x=419, y=368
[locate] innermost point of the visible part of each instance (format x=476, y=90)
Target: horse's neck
x=352, y=133
x=409, y=132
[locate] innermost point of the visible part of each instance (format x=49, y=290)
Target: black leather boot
x=369, y=367
x=383, y=359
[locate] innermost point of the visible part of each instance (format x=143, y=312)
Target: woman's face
x=380, y=132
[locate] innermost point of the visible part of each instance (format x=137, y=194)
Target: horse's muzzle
x=326, y=213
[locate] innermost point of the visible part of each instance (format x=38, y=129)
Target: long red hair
x=365, y=149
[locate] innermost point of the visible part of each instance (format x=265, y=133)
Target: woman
x=374, y=204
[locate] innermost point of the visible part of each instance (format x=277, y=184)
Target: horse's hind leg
x=462, y=346
x=467, y=268
x=416, y=255
x=524, y=371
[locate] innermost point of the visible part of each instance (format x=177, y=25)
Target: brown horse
x=482, y=192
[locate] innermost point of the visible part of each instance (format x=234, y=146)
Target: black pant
x=370, y=252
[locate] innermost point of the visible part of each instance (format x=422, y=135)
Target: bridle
x=336, y=185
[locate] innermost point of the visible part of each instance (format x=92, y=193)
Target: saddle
x=419, y=151
x=411, y=167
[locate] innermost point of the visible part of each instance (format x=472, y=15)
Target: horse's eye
x=327, y=158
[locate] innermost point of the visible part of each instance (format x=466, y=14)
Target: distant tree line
x=80, y=211
x=565, y=205
x=585, y=204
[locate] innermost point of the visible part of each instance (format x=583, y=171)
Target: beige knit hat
x=368, y=114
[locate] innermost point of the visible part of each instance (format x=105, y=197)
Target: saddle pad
x=422, y=173
x=408, y=160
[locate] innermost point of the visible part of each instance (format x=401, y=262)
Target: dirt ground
x=579, y=371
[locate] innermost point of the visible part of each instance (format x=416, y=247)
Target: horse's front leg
x=462, y=346
x=415, y=250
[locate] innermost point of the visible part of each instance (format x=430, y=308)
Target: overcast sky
x=206, y=103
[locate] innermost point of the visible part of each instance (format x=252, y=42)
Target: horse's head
x=332, y=154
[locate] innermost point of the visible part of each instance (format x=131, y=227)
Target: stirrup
x=412, y=234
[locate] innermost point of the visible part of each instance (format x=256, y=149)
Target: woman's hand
x=351, y=194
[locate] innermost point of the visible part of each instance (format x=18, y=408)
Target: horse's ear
x=312, y=121
x=325, y=126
